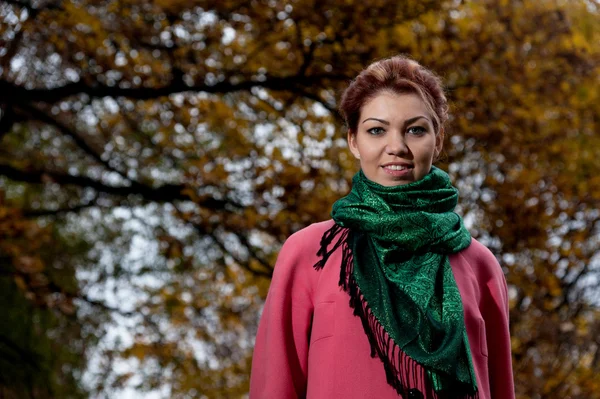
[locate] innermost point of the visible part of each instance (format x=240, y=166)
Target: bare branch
x=162, y=194
x=80, y=141
x=245, y=264
x=241, y=262
x=57, y=212
x=7, y=119
x=244, y=240
x=102, y=305
x=8, y=90
x=319, y=100
x=308, y=57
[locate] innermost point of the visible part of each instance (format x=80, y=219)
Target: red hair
x=400, y=75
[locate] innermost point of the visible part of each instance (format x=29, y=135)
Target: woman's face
x=395, y=140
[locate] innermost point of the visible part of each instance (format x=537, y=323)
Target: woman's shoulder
x=478, y=262
x=304, y=244
x=482, y=260
x=478, y=251
x=298, y=255
x=310, y=235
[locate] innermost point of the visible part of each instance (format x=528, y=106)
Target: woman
x=392, y=298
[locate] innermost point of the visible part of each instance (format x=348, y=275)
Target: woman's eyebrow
x=378, y=120
x=407, y=122
x=411, y=120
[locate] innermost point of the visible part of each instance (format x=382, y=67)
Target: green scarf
x=396, y=269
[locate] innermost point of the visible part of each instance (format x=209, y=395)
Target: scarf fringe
x=326, y=241
x=401, y=371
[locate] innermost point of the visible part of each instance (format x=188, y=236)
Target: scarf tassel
x=402, y=372
x=326, y=241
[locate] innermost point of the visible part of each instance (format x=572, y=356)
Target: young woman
x=392, y=298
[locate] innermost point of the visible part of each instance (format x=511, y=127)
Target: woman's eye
x=375, y=131
x=417, y=130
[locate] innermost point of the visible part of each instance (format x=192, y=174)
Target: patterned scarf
x=396, y=242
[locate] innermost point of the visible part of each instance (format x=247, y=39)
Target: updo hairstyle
x=398, y=75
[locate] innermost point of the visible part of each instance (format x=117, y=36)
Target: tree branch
x=35, y=213
x=244, y=240
x=79, y=141
x=242, y=263
x=319, y=100
x=12, y=92
x=102, y=305
x=239, y=261
x=162, y=194
x=308, y=57
x=7, y=120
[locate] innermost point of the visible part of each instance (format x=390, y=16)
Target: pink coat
x=310, y=345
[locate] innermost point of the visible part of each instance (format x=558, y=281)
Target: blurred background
x=155, y=154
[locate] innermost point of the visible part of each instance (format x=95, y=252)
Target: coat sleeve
x=495, y=314
x=280, y=359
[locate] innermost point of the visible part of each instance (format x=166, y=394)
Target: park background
x=154, y=155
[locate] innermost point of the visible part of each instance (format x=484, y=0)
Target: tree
x=164, y=151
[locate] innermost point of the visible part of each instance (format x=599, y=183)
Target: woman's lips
x=397, y=170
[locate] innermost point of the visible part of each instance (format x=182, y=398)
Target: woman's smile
x=397, y=169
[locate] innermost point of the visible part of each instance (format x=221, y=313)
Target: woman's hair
x=400, y=75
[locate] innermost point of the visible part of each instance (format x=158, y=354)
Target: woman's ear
x=352, y=144
x=439, y=144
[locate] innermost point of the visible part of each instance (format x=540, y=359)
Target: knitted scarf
x=396, y=242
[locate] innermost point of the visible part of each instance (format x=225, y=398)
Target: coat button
x=414, y=393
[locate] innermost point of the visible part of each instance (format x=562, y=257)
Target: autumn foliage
x=154, y=155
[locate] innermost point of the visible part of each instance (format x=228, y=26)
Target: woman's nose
x=396, y=144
